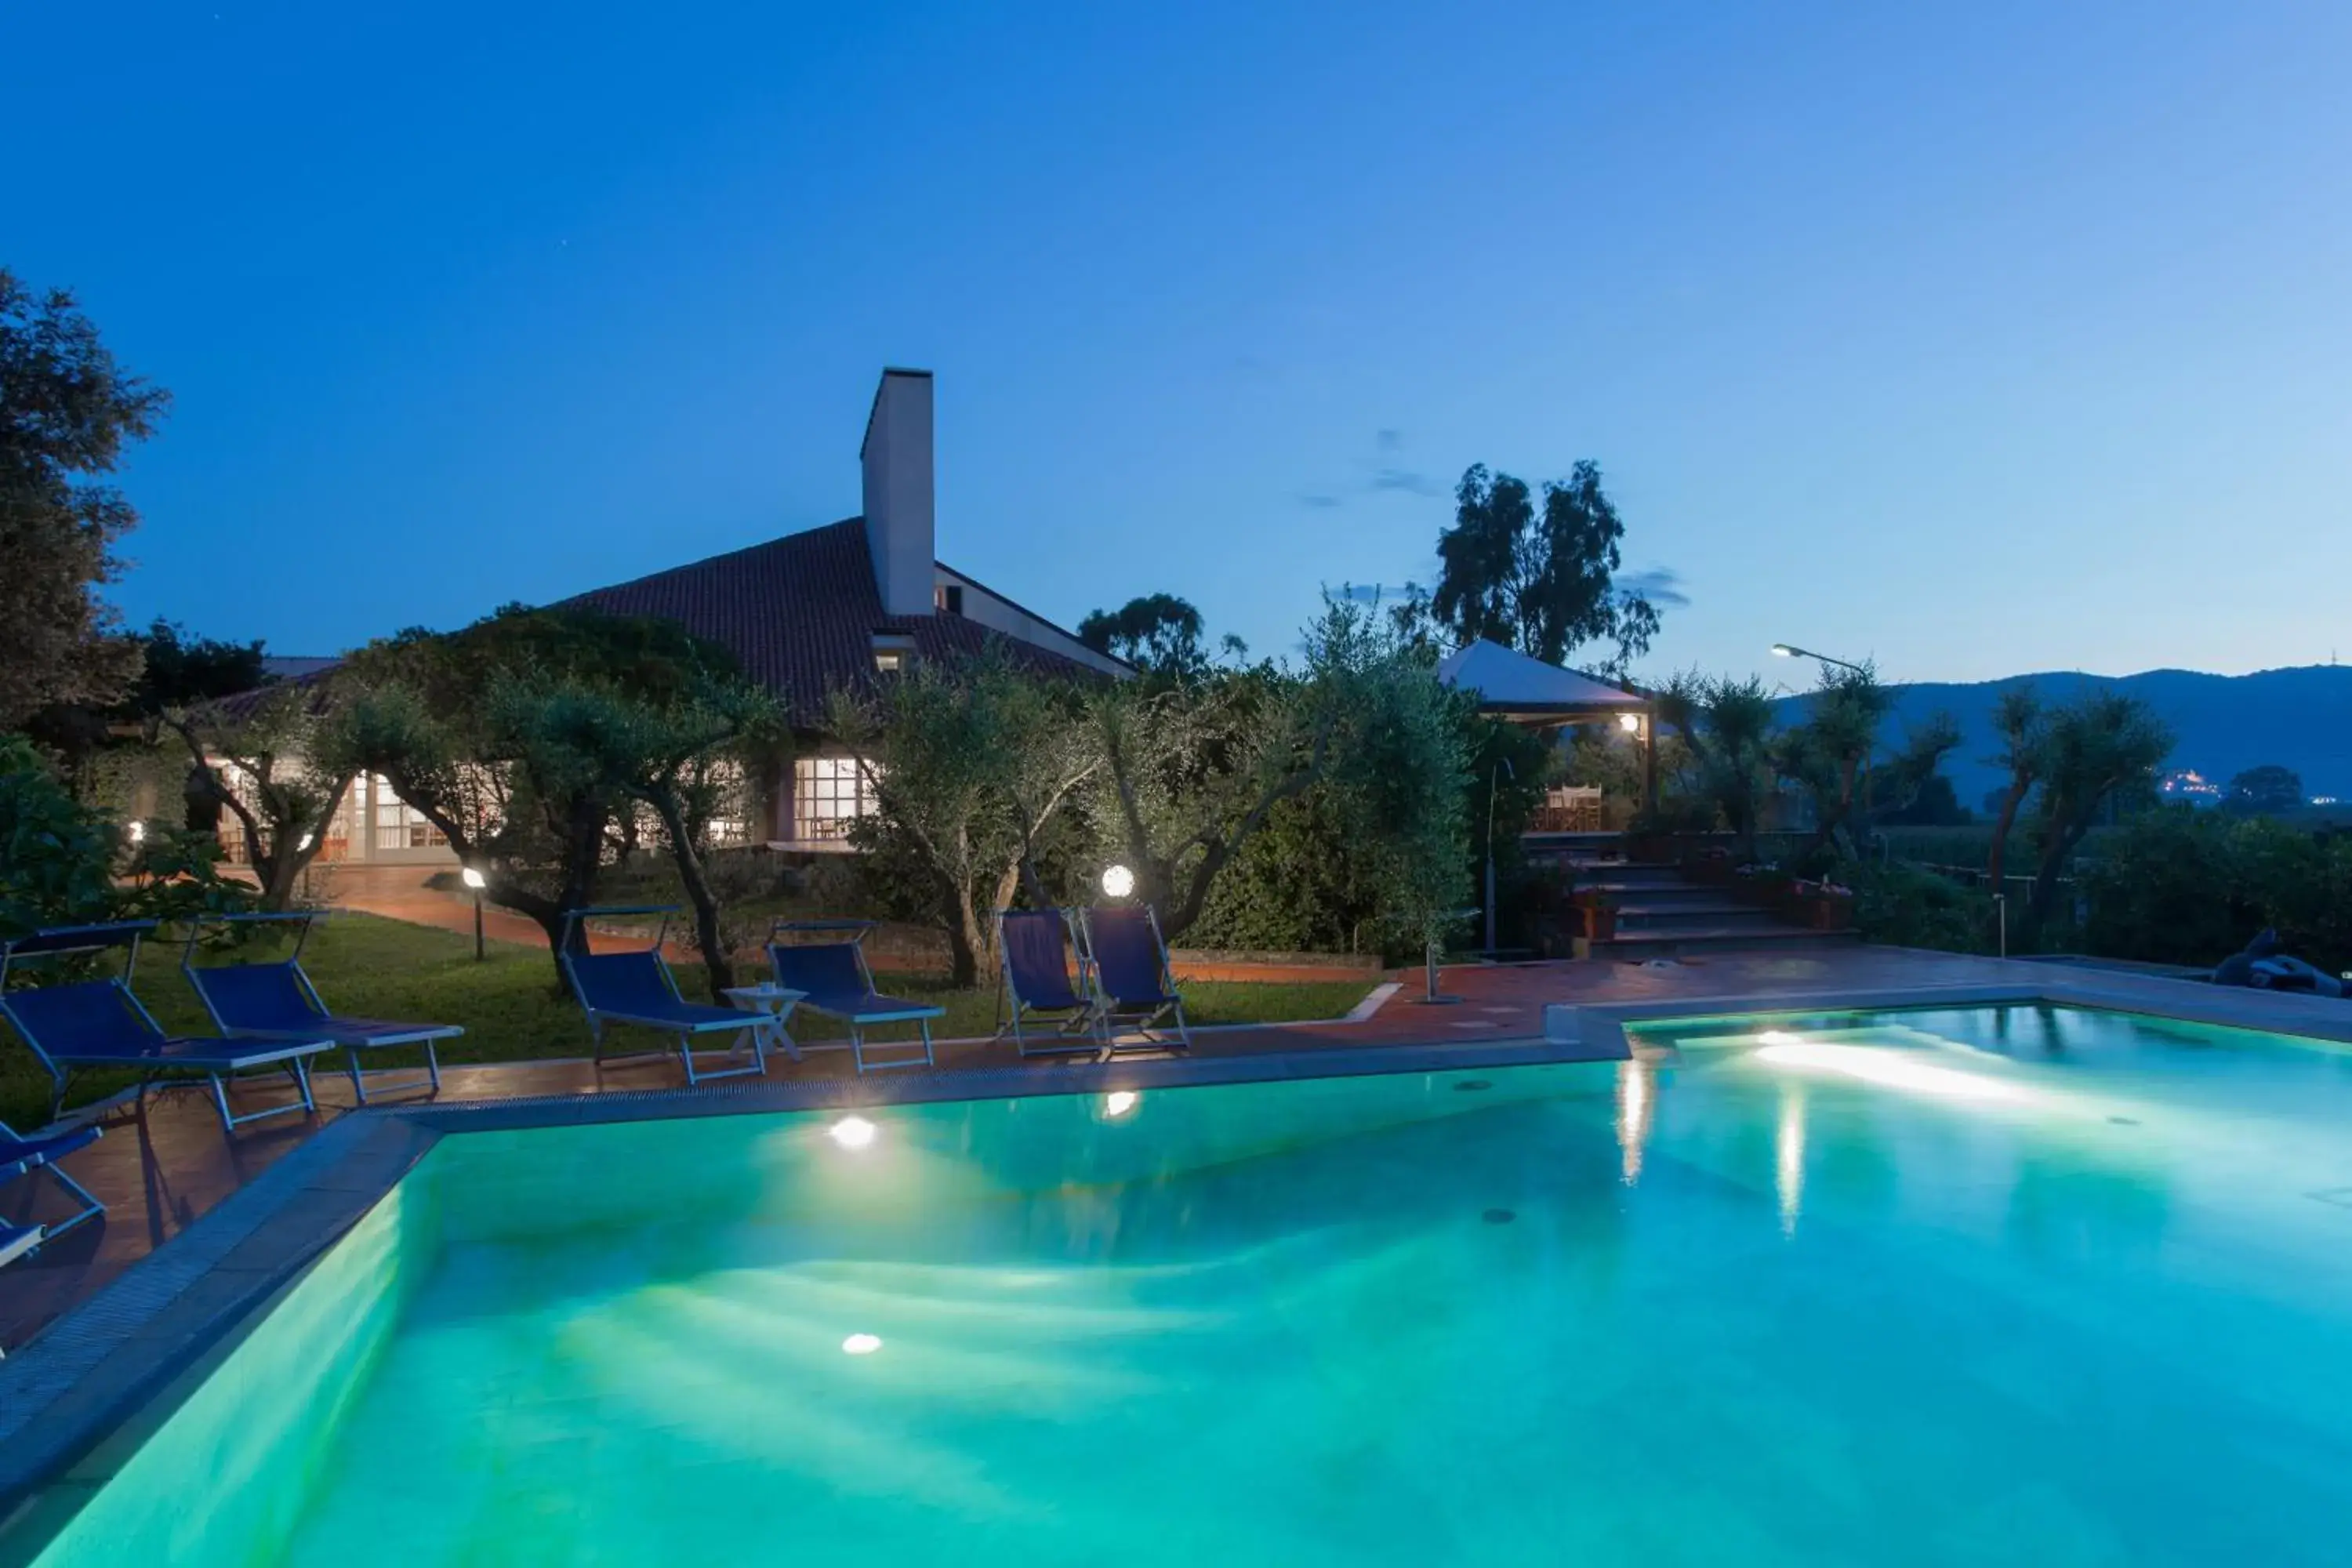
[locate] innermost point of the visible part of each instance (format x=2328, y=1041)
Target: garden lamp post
x=1494, y=779
x=1790, y=650
x=475, y=882
x=1118, y=881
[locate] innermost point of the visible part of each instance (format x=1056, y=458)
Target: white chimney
x=898, y=460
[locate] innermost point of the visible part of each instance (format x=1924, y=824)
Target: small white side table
x=776, y=1004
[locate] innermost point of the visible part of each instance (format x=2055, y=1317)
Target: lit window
x=889, y=660
x=828, y=795
x=398, y=825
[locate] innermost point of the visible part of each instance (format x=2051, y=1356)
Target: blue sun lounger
x=1134, y=986
x=275, y=1000
x=15, y=1240
x=1034, y=949
x=99, y=1024
x=21, y=1156
x=831, y=974
x=636, y=989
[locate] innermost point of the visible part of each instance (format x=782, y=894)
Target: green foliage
x=2266, y=791
x=530, y=739
x=2179, y=886
x=1726, y=729
x=178, y=671
x=1542, y=583
x=1375, y=848
x=67, y=410
x=1903, y=906
x=969, y=766
x=261, y=760
x=1826, y=752
x=2095, y=755
x=63, y=864
x=1158, y=633
x=1192, y=774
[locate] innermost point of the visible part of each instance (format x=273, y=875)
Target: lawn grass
x=510, y=1009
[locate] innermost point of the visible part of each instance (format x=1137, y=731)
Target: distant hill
x=2222, y=724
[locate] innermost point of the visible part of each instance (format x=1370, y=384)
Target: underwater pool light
x=851, y=1132
x=861, y=1344
x=1120, y=1103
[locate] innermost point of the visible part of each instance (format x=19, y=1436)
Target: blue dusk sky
x=1971, y=338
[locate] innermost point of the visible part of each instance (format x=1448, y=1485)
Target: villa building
x=833, y=608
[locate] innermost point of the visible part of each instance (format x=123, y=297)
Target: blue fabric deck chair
x=1035, y=949
x=636, y=989
x=21, y=1156
x=824, y=960
x=1134, y=987
x=99, y=1024
x=275, y=1000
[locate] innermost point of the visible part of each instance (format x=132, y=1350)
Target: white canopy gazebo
x=1523, y=689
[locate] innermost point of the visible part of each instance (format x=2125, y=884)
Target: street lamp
x=1790, y=650
x=477, y=881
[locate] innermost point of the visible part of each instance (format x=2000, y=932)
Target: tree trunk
x=964, y=961
x=1996, y=858
x=2045, y=876
x=716, y=959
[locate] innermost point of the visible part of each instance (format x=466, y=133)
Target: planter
x=1597, y=915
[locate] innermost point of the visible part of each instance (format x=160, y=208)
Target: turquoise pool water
x=1987, y=1286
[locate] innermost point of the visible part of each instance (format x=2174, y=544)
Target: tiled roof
x=800, y=613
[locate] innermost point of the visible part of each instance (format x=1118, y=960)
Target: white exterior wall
x=900, y=527
x=999, y=614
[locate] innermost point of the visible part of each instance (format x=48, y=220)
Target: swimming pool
x=1988, y=1286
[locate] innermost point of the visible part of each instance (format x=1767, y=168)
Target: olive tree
x=266, y=761
x=968, y=765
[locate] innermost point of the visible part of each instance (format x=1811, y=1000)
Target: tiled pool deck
x=163, y=1169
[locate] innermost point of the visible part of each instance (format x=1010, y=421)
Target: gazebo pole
x=1650, y=761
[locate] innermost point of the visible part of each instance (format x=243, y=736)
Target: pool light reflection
x=850, y=1132
x=1893, y=1068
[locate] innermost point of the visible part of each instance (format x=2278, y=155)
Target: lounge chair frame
x=21, y=1156
x=229, y=1059
x=756, y=1029
x=1110, y=1018
x=852, y=935
x=1077, y=1032
x=343, y=1031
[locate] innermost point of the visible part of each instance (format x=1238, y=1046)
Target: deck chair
x=1034, y=949
x=99, y=1024
x=636, y=989
x=826, y=963
x=16, y=1240
x=276, y=1001
x=21, y=1156
x=1134, y=987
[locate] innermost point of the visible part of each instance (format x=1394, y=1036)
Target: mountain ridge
x=2298, y=716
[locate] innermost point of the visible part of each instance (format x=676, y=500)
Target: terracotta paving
x=162, y=1166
